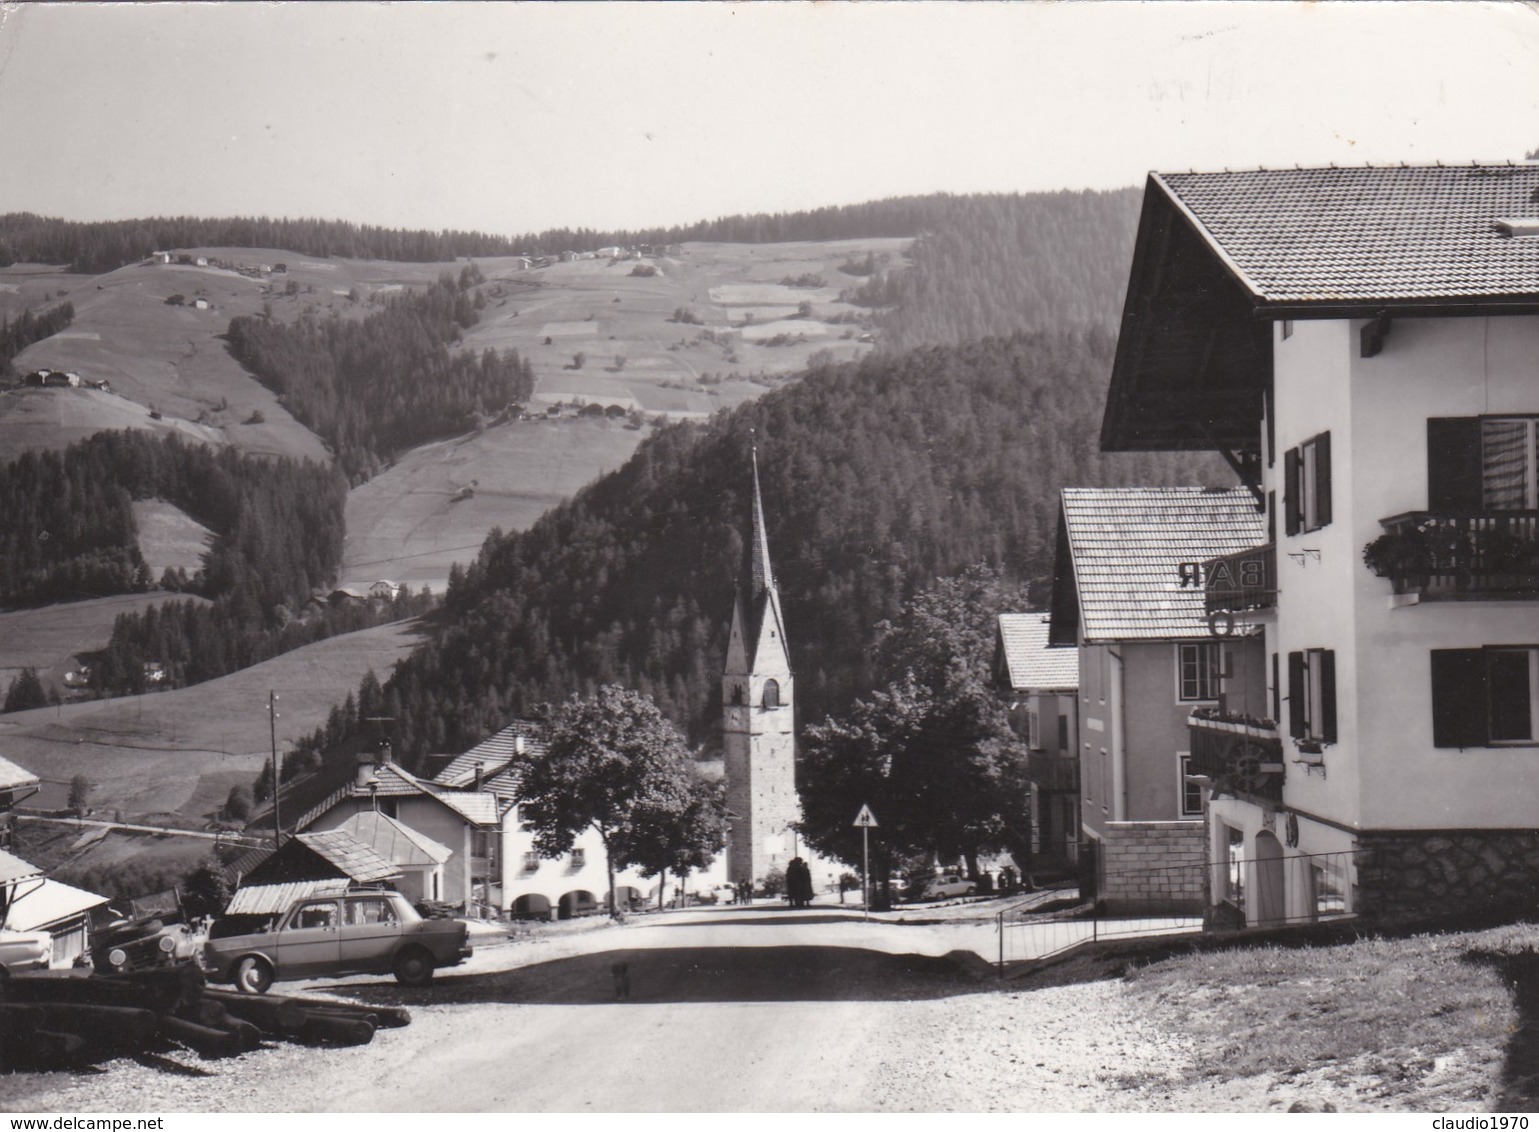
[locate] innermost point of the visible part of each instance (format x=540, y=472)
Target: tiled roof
x=13, y=776
x=1127, y=544
x=493, y=754
x=394, y=841
x=1029, y=661
x=1367, y=234
x=348, y=855
x=476, y=807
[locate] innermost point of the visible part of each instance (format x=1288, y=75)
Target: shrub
x=176, y=300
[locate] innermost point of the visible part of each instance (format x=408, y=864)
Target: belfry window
x=771, y=693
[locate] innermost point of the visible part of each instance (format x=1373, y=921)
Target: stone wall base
x=1431, y=876
x=1153, y=868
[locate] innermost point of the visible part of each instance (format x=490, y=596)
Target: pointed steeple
x=759, y=576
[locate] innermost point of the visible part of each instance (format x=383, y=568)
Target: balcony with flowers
x=1491, y=555
x=1239, y=754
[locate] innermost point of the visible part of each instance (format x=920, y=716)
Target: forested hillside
x=67, y=532
x=29, y=328
x=389, y=382
x=1000, y=263
x=93, y=247
x=878, y=477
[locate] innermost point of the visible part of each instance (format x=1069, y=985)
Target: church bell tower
x=758, y=727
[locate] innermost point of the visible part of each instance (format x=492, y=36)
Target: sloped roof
x=394, y=841
x=266, y=899
x=348, y=855
x=476, y=807
x=1368, y=234
x=14, y=868
x=494, y=753
x=13, y=776
x=49, y=903
x=1125, y=546
x=1029, y=662
x=1218, y=256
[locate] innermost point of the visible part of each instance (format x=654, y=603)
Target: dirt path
x=727, y=1013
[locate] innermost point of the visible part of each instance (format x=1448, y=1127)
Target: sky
x=513, y=118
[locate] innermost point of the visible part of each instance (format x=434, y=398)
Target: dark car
x=353, y=934
x=151, y=934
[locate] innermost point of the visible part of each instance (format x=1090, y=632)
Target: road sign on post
x=866, y=822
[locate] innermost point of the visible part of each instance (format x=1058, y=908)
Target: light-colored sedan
x=353, y=934
x=25, y=951
x=948, y=885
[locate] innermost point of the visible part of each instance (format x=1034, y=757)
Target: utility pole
x=272, y=730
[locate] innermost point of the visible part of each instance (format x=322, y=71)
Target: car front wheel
x=253, y=975
x=414, y=967
x=972, y=890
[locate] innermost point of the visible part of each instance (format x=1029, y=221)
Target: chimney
x=480, y=769
x=365, y=770
x=518, y=744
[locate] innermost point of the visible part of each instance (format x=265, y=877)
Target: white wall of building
x=1384, y=773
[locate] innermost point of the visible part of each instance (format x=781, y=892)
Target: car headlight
x=167, y=944
x=117, y=957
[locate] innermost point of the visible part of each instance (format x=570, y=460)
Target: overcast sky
x=519, y=117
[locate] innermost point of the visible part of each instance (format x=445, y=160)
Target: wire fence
x=1150, y=902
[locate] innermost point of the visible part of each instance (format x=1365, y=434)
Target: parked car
x=947, y=885
x=352, y=934
x=719, y=894
x=151, y=934
x=139, y=945
x=24, y=951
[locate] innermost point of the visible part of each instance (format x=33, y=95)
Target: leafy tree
x=204, y=889
x=79, y=794
x=239, y=803
x=669, y=837
x=579, y=360
x=612, y=764
x=932, y=749
x=26, y=691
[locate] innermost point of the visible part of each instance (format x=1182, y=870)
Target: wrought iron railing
x=1239, y=756
x=1237, y=893
x=1241, y=581
x=1441, y=555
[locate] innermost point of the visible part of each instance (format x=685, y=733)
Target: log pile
x=59, y=1019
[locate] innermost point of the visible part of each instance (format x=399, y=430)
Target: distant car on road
x=948, y=885
x=24, y=951
x=353, y=934
x=720, y=894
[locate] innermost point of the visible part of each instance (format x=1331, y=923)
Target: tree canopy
x=612, y=764
x=931, y=751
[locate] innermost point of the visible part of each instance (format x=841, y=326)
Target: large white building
x=1362, y=345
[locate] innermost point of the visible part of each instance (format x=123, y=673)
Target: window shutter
x=1276, y=692
x=1327, y=720
x=1322, y=484
x=1453, y=464
x=1291, y=500
x=1296, y=695
x=1458, y=698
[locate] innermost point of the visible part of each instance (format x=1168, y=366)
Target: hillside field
x=410, y=523
x=178, y=753
x=50, y=638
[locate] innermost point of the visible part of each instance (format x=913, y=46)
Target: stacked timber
x=58, y=1019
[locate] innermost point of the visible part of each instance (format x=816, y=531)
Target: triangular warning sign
x=865, y=818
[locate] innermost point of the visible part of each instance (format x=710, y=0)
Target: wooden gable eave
x=1192, y=359
x=1064, y=620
